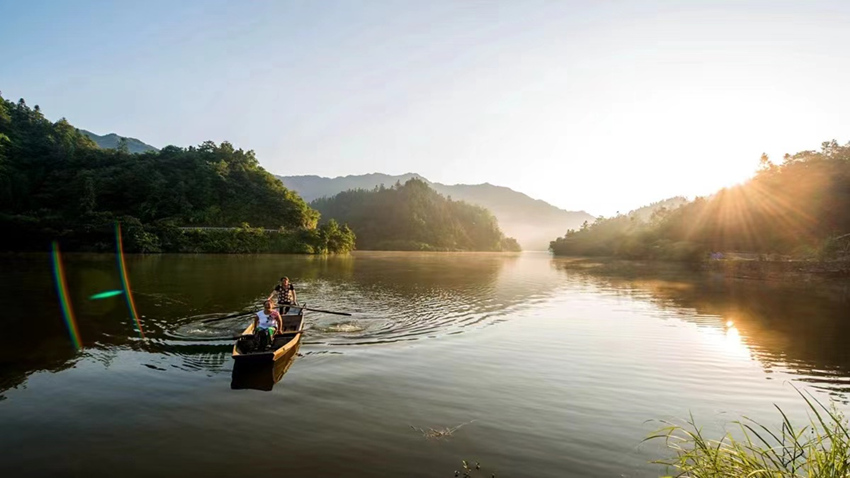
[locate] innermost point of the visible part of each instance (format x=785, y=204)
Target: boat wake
x=382, y=313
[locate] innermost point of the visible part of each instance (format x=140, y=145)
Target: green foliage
x=800, y=206
x=819, y=449
x=413, y=216
x=56, y=183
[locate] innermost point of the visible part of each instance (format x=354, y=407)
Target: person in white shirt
x=267, y=322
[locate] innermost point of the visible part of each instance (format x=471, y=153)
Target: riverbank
x=99, y=234
x=735, y=268
x=779, y=270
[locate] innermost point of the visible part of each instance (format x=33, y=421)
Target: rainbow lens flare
x=64, y=301
x=122, y=268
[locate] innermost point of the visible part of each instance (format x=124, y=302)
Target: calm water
x=553, y=368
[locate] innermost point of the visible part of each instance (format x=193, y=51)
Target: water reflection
x=259, y=377
x=394, y=297
x=559, y=364
x=799, y=327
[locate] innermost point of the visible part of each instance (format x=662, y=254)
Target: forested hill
x=531, y=221
x=645, y=213
x=413, y=216
x=799, y=208
x=113, y=141
x=55, y=183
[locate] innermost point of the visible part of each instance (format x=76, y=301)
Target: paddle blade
x=327, y=311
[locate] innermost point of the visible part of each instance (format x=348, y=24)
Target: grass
x=820, y=449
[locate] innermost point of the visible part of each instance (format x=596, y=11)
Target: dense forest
x=412, y=216
x=799, y=208
x=56, y=183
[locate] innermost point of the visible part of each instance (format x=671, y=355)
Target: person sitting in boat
x=285, y=295
x=267, y=322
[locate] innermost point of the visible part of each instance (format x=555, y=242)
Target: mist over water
x=556, y=363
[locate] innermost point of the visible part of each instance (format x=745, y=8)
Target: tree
x=122, y=146
x=88, y=197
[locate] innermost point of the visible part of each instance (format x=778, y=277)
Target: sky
x=595, y=106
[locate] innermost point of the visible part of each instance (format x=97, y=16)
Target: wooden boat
x=284, y=346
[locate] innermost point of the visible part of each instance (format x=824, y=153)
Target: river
x=548, y=366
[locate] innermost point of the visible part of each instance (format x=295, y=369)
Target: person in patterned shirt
x=285, y=295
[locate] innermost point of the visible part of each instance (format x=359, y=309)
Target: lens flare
x=122, y=268
x=64, y=301
x=106, y=294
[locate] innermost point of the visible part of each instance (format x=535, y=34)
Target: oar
x=216, y=339
x=240, y=314
x=320, y=310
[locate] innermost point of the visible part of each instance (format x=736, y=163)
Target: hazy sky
x=601, y=106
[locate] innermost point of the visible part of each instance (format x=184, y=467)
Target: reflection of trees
x=13, y=374
x=189, y=357
x=209, y=283
x=800, y=326
x=442, y=283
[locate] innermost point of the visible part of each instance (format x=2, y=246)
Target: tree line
x=799, y=207
x=55, y=183
x=412, y=216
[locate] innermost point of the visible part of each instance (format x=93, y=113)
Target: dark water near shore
x=552, y=367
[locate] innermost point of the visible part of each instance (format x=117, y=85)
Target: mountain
x=531, y=221
x=315, y=187
x=111, y=140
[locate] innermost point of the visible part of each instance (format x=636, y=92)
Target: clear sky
x=601, y=106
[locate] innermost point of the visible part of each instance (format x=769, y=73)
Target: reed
x=819, y=449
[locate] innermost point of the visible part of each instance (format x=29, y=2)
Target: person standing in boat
x=267, y=322
x=285, y=295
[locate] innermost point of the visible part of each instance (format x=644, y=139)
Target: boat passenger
x=285, y=295
x=267, y=322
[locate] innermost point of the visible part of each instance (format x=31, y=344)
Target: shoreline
x=779, y=270
x=767, y=270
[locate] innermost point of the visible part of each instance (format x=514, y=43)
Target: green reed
x=819, y=449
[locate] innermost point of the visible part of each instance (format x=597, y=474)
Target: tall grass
x=819, y=449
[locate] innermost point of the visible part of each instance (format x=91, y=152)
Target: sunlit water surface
x=554, y=369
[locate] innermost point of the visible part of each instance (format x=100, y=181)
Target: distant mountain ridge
x=532, y=222
x=111, y=141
